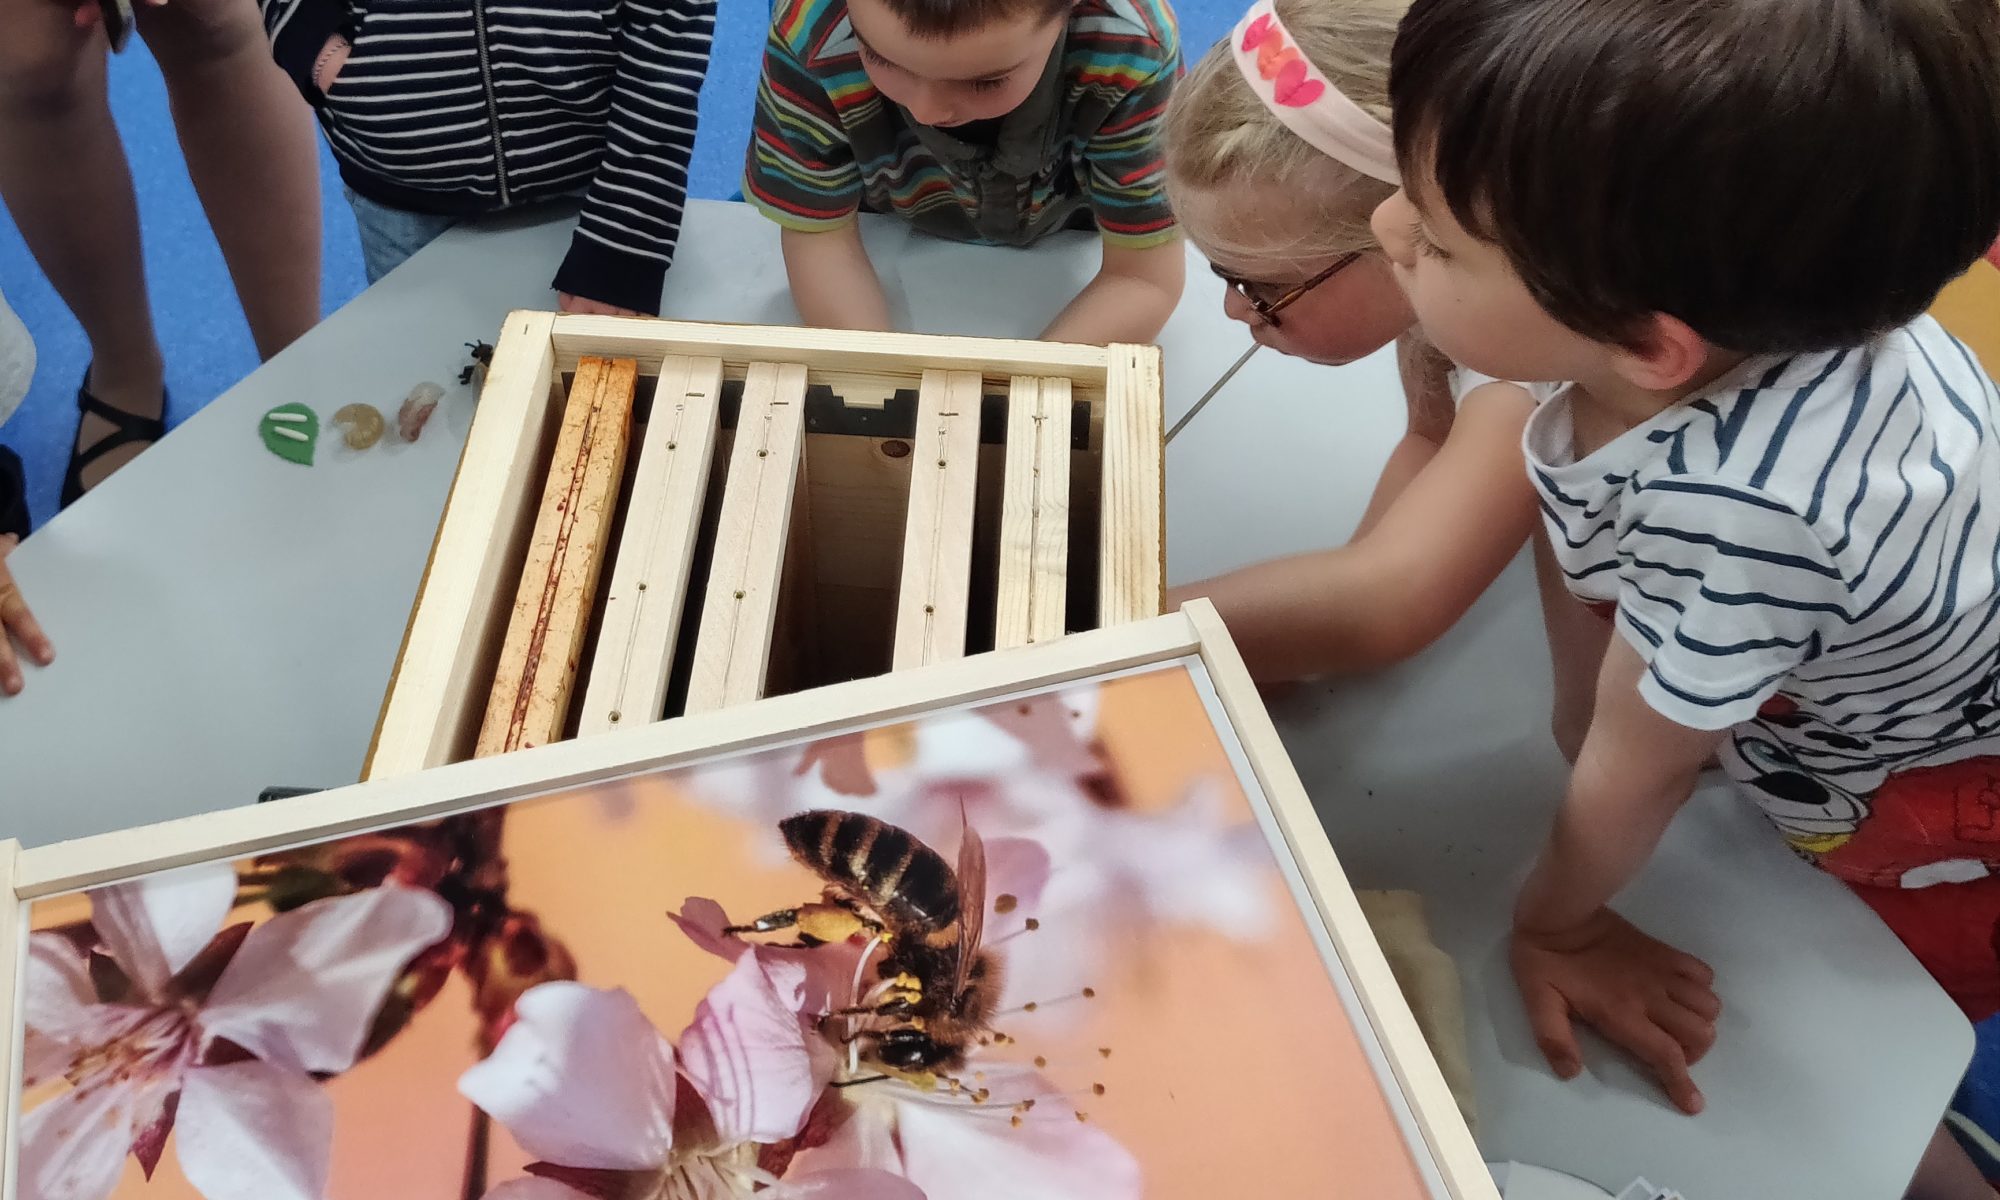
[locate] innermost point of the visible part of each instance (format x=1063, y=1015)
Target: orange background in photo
x=1234, y=1067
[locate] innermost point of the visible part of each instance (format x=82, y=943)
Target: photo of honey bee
x=937, y=988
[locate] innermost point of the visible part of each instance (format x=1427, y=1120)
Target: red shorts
x=1953, y=929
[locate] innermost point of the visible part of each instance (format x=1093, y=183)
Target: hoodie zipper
x=492, y=101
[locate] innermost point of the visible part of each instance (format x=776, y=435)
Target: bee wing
x=971, y=899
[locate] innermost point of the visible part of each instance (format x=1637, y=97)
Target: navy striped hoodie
x=465, y=107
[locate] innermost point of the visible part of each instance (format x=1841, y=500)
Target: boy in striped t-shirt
x=1778, y=475
x=995, y=121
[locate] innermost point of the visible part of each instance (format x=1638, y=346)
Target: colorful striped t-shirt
x=826, y=143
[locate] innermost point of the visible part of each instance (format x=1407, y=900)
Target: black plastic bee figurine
x=482, y=358
x=882, y=882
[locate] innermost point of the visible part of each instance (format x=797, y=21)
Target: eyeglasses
x=1267, y=308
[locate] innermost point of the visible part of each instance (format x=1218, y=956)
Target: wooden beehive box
x=654, y=518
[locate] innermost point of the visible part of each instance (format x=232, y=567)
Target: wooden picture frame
x=1435, y=1133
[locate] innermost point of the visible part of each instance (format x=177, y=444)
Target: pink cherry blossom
x=209, y=1033
x=587, y=1085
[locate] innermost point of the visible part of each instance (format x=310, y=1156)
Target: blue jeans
x=390, y=235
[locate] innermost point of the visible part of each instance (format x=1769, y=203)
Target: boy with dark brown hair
x=994, y=121
x=1722, y=221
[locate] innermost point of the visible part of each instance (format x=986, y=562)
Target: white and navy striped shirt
x=475, y=106
x=1809, y=553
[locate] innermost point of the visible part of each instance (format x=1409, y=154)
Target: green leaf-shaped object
x=290, y=431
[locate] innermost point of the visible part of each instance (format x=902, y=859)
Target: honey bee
x=938, y=988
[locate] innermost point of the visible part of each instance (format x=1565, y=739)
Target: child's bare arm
x=1130, y=299
x=1409, y=576
x=1577, y=640
x=1572, y=955
x=833, y=284
x=1427, y=392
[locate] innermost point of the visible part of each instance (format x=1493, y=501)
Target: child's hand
x=17, y=624
x=584, y=304
x=1640, y=993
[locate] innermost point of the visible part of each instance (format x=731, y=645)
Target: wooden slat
x=537, y=667
x=937, y=537
x=739, y=612
x=13, y=971
x=1132, y=536
x=252, y=829
x=1437, y=1114
x=649, y=578
x=436, y=695
x=1034, y=514
x=895, y=358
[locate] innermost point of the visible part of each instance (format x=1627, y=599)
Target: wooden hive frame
x=655, y=518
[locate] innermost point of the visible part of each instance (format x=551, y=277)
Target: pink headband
x=1305, y=100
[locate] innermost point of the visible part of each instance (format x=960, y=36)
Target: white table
x=226, y=621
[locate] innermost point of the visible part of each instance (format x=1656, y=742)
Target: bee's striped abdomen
x=905, y=880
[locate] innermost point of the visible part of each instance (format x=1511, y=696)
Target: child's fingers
x=1659, y=1050
x=1690, y=967
x=17, y=620
x=1548, y=1016
x=1698, y=999
x=1696, y=1035
x=10, y=669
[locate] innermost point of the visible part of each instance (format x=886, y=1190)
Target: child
x=996, y=121
x=1278, y=196
x=437, y=112
x=1783, y=476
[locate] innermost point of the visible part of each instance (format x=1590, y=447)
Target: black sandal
x=13, y=495
x=125, y=428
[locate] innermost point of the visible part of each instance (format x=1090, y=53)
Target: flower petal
x=1017, y=869
x=534, y=1188
x=1194, y=864
x=73, y=1146
x=860, y=1134
x=153, y=926
x=307, y=984
x=57, y=1004
x=254, y=1131
x=746, y=1054
x=1055, y=729
x=958, y=1152
x=844, y=1185
x=581, y=1079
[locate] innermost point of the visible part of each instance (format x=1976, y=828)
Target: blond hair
x=1220, y=135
